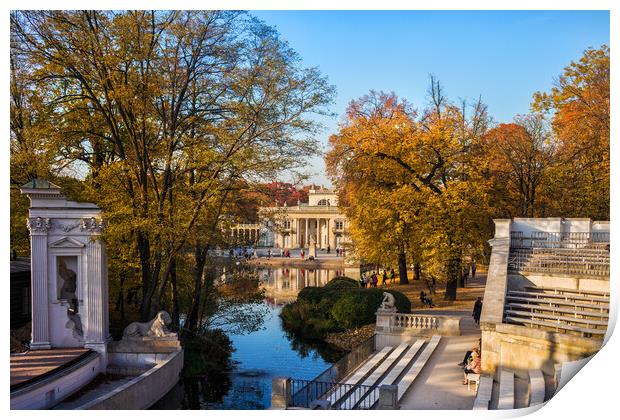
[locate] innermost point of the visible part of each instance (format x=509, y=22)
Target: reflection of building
x=295, y=226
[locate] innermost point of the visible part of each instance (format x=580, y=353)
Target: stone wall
x=566, y=281
x=520, y=348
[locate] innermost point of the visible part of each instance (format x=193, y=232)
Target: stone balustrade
x=391, y=327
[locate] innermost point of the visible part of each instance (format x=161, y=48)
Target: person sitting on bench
x=473, y=366
x=468, y=353
x=425, y=300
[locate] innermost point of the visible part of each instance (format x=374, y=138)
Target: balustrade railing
x=557, y=239
x=560, y=261
x=308, y=394
x=423, y=322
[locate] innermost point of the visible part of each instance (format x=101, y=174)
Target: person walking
x=473, y=270
x=477, y=310
x=303, y=254
x=328, y=249
x=384, y=278
x=374, y=279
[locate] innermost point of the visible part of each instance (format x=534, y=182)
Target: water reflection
x=261, y=355
x=282, y=284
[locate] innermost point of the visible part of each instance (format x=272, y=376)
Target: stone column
x=307, y=235
x=280, y=393
x=96, y=332
x=38, y=256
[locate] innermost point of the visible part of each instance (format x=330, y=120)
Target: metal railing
x=340, y=396
x=560, y=261
x=336, y=372
x=557, y=239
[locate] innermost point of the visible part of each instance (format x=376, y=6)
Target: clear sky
x=504, y=56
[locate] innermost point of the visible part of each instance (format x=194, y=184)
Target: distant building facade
x=294, y=226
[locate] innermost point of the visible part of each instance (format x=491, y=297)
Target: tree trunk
x=142, y=243
x=402, y=266
x=417, y=272
x=453, y=271
x=200, y=254
x=175, y=296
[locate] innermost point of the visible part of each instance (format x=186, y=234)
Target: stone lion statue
x=388, y=303
x=157, y=327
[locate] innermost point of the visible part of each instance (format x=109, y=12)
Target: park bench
x=473, y=378
x=537, y=387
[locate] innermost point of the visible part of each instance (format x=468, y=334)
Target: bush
x=321, y=310
x=342, y=283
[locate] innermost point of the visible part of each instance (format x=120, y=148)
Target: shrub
x=320, y=310
x=342, y=283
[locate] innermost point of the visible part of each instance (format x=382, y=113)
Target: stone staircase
x=577, y=312
x=512, y=392
x=582, y=261
x=389, y=366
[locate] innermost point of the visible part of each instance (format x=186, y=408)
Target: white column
x=307, y=235
x=38, y=257
x=96, y=332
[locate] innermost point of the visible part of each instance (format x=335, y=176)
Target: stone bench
x=552, y=309
x=532, y=322
x=555, y=302
x=537, y=387
x=559, y=318
x=506, y=390
x=560, y=296
x=483, y=396
x=560, y=290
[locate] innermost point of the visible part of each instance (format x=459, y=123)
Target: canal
x=262, y=355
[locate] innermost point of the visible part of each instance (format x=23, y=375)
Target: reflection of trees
x=305, y=347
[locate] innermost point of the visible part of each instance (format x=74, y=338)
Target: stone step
x=544, y=308
x=359, y=374
x=553, y=326
x=537, y=387
x=394, y=373
x=483, y=396
x=375, y=376
x=506, y=390
x=546, y=295
x=556, y=302
x=558, y=318
x=561, y=290
x=417, y=366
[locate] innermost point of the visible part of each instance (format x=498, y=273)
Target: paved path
x=439, y=385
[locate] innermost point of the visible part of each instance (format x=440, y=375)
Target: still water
x=261, y=355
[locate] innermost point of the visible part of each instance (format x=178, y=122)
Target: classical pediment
x=67, y=242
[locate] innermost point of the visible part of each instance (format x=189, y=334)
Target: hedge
x=321, y=310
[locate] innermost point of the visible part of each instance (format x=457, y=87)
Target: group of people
x=471, y=362
x=425, y=299
x=372, y=280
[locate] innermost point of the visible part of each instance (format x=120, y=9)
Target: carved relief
x=68, y=227
x=92, y=225
x=38, y=224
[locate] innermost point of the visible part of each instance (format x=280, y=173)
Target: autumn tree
x=520, y=157
x=164, y=113
x=579, y=106
x=421, y=167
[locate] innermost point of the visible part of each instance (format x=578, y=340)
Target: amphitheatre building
x=545, y=312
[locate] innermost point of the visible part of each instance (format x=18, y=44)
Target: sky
x=502, y=56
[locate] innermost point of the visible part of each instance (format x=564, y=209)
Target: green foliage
x=342, y=283
x=206, y=353
x=321, y=310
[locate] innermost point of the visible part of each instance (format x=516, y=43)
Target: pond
x=261, y=355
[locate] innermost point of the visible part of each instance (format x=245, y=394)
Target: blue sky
x=504, y=56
